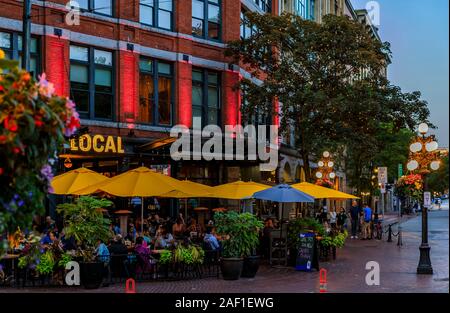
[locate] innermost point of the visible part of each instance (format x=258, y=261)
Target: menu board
x=307, y=257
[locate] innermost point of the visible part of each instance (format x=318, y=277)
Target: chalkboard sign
x=307, y=257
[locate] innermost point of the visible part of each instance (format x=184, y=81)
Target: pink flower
x=46, y=88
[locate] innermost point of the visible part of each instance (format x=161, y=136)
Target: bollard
x=323, y=280
x=130, y=286
x=390, y=234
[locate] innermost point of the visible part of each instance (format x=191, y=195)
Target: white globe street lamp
x=330, y=164
x=326, y=154
x=319, y=175
x=321, y=163
x=412, y=165
x=415, y=147
x=431, y=146
x=435, y=165
x=332, y=175
x=423, y=128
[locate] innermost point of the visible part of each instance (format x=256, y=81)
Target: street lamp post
x=423, y=155
x=325, y=168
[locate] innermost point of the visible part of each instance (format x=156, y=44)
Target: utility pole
x=26, y=35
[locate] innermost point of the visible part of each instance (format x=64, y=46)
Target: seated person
x=102, y=251
x=48, y=239
x=117, y=246
x=146, y=237
x=211, y=240
x=194, y=227
x=164, y=239
x=178, y=228
x=143, y=256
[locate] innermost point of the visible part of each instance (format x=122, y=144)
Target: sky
x=418, y=33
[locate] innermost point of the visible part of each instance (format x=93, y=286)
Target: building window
x=303, y=8
x=206, y=96
x=206, y=18
x=91, y=81
x=104, y=7
x=11, y=44
x=155, y=92
x=157, y=13
x=265, y=5
x=247, y=30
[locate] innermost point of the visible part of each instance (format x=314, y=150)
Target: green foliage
x=65, y=258
x=336, y=240
x=316, y=74
x=46, y=263
x=438, y=181
x=191, y=254
x=165, y=257
x=240, y=233
x=34, y=124
x=86, y=224
x=301, y=225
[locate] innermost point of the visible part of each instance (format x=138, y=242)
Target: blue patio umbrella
x=283, y=193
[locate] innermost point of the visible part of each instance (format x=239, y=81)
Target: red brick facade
x=122, y=28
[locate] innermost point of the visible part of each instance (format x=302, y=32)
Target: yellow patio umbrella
x=237, y=190
x=320, y=192
x=75, y=181
x=189, y=190
x=141, y=182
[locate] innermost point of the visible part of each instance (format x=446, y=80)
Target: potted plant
x=87, y=225
x=240, y=239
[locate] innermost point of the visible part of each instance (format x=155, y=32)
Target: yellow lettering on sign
x=119, y=145
x=110, y=146
x=73, y=145
x=96, y=147
x=85, y=143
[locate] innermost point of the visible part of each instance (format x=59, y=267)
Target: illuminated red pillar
x=57, y=65
x=128, y=86
x=231, y=114
x=184, y=84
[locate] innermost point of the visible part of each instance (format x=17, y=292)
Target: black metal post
x=26, y=35
x=424, y=266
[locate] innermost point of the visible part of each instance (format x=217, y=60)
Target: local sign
x=97, y=143
x=427, y=199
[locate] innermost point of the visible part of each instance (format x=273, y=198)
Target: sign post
x=427, y=199
x=400, y=170
x=382, y=181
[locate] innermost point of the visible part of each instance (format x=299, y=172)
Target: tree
x=329, y=80
x=438, y=181
x=34, y=124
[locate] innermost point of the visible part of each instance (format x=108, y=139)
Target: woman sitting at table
x=164, y=239
x=144, y=260
x=179, y=228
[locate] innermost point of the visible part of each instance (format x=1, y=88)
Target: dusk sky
x=418, y=33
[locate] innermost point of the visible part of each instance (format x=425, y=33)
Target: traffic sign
x=427, y=199
x=382, y=175
x=400, y=170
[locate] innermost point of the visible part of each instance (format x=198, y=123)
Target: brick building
x=135, y=68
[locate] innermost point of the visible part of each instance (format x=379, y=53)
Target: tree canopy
x=330, y=81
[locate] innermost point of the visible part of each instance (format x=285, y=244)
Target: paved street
x=346, y=274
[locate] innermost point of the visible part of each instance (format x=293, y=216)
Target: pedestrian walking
x=367, y=214
x=354, y=214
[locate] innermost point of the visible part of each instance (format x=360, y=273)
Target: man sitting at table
x=48, y=239
x=211, y=240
